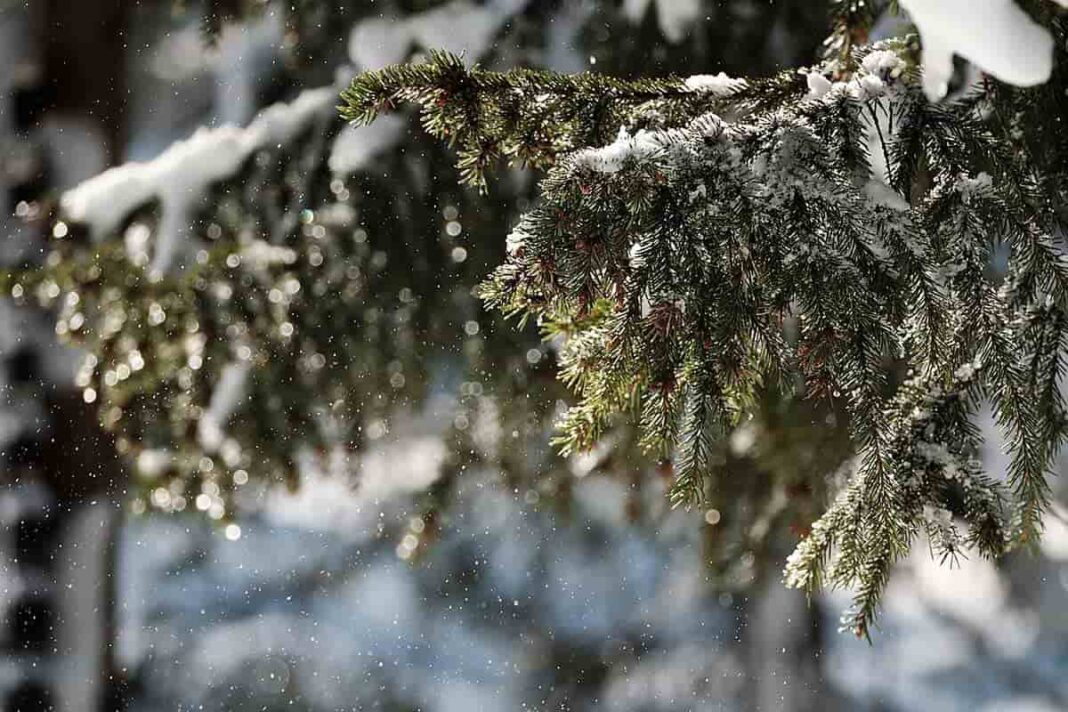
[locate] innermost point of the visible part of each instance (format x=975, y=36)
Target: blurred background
x=320, y=477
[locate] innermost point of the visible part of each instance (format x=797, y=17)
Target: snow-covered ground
x=521, y=609
x=511, y=609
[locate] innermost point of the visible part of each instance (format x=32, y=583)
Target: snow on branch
x=181, y=175
x=995, y=35
x=694, y=248
x=716, y=84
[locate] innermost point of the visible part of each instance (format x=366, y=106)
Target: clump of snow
x=635, y=256
x=715, y=84
x=882, y=194
x=877, y=76
x=646, y=306
x=967, y=371
x=883, y=63
x=938, y=455
x=976, y=186
x=818, y=85
x=1054, y=540
x=875, y=81
x=515, y=240
x=401, y=467
x=181, y=175
x=587, y=461
x=710, y=126
x=996, y=35
x=611, y=158
x=977, y=596
x=743, y=439
x=870, y=86
x=241, y=61
x=675, y=17
x=879, y=134
x=939, y=515
x=282, y=122
x=462, y=25
x=378, y=42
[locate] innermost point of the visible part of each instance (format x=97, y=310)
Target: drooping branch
x=699, y=242
x=528, y=116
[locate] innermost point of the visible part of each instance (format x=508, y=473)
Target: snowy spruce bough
x=871, y=231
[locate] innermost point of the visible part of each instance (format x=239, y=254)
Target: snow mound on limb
x=715, y=84
x=995, y=35
x=180, y=176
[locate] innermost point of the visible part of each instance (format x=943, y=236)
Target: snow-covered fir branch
x=830, y=233
x=704, y=252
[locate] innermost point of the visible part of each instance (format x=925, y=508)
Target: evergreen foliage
x=793, y=292
x=307, y=308
x=324, y=329
x=825, y=234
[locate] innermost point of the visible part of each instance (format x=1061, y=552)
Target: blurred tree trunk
x=66, y=108
x=82, y=468
x=83, y=45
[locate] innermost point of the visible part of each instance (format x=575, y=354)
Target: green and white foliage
x=264, y=301
x=282, y=338
x=827, y=234
x=254, y=302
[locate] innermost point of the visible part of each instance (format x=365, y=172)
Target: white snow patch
x=881, y=194
x=515, y=240
x=995, y=35
x=878, y=76
x=154, y=462
x=970, y=591
x=402, y=466
x=259, y=255
x=883, y=63
x=610, y=158
x=978, y=185
x=327, y=499
x=180, y=176
x=243, y=52
x=378, y=42
x=878, y=133
x=715, y=84
x=818, y=85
